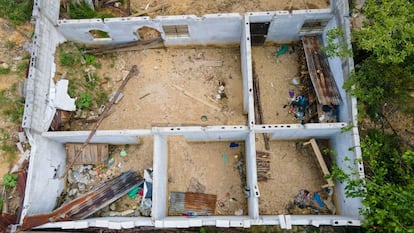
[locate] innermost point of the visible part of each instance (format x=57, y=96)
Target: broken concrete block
x=62, y=100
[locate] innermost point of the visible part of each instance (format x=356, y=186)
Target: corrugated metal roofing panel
x=320, y=72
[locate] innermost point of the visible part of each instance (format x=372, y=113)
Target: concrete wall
x=205, y=30
x=209, y=133
x=39, y=110
x=284, y=26
x=101, y=136
x=347, y=159
x=160, y=178
x=48, y=156
x=44, y=182
x=298, y=131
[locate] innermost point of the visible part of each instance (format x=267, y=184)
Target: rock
x=72, y=192
x=112, y=207
x=27, y=46
x=81, y=187
x=4, y=65
x=18, y=58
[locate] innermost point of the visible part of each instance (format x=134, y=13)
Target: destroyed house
x=231, y=131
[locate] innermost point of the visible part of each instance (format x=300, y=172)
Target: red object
x=141, y=192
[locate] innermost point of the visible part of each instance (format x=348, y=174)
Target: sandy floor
x=275, y=79
x=213, y=168
x=291, y=170
x=176, y=87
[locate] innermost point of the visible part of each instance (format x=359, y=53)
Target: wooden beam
x=321, y=161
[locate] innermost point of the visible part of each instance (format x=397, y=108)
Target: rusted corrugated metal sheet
x=320, y=72
x=84, y=206
x=197, y=203
x=6, y=220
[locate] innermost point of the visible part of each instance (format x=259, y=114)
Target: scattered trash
x=233, y=145
x=203, y=118
x=111, y=162
x=298, y=107
x=319, y=202
x=89, y=203
x=238, y=212
x=120, y=96
x=133, y=193
x=224, y=157
x=123, y=153
x=282, y=50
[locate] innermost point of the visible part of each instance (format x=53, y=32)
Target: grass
x=4, y=70
x=10, y=44
x=7, y=146
x=16, y=11
x=82, y=11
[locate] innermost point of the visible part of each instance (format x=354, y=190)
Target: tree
x=386, y=74
x=388, y=31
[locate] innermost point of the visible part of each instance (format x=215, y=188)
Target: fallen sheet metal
x=196, y=203
x=320, y=72
x=84, y=206
x=6, y=220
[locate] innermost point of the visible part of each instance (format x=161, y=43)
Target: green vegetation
x=91, y=60
x=11, y=104
x=82, y=11
x=84, y=101
x=383, y=76
x=336, y=44
x=10, y=180
x=84, y=82
x=17, y=11
x=4, y=70
x=387, y=190
x=10, y=44
x=385, y=46
x=7, y=146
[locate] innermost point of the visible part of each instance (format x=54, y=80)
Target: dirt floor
x=196, y=7
x=213, y=165
x=275, y=77
x=175, y=87
x=291, y=168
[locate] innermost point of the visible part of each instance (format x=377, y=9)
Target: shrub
x=17, y=11
x=10, y=180
x=84, y=101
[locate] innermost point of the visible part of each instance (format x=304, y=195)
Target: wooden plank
x=321, y=161
x=91, y=154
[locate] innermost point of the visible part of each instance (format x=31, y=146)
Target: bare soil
x=275, y=77
x=292, y=168
x=176, y=87
x=213, y=165
x=12, y=40
x=196, y=7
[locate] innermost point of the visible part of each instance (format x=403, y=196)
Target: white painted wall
x=44, y=182
x=284, y=26
x=205, y=30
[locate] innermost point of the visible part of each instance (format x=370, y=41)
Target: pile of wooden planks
x=263, y=166
x=258, y=107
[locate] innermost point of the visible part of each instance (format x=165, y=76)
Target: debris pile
x=306, y=202
x=263, y=165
